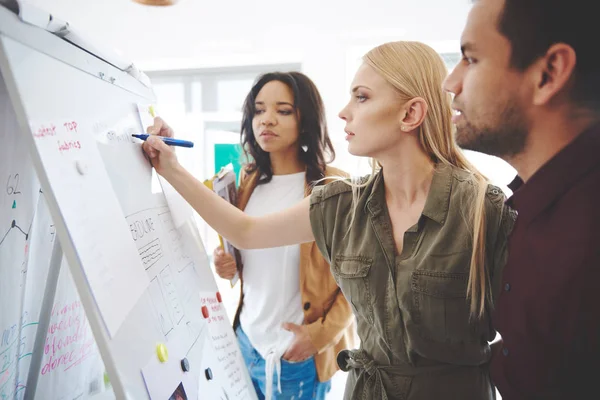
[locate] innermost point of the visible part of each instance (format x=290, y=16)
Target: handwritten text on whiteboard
x=64, y=133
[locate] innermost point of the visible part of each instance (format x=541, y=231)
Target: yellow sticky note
x=151, y=111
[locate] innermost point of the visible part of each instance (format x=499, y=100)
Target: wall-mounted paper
x=180, y=208
x=19, y=194
x=226, y=348
x=163, y=379
x=96, y=226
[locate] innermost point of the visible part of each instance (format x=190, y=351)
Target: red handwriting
x=216, y=310
x=70, y=145
x=71, y=126
x=56, y=344
x=49, y=129
x=85, y=352
x=64, y=324
x=216, y=318
x=209, y=300
x=69, y=359
x=67, y=308
x=44, y=131
x=67, y=318
x=68, y=341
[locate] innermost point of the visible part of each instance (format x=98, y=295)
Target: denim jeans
x=299, y=380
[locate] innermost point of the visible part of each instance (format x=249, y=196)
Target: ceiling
x=197, y=28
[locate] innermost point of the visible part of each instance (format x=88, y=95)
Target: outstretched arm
x=287, y=227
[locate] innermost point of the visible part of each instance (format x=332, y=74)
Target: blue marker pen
x=169, y=141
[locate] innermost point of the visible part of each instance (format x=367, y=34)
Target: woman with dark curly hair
x=291, y=320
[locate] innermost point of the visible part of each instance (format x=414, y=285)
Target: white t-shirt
x=272, y=276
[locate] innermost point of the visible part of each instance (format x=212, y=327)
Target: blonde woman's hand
x=225, y=264
x=162, y=156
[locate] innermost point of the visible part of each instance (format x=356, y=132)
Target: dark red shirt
x=548, y=311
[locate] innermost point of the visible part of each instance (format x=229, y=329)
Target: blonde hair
x=416, y=70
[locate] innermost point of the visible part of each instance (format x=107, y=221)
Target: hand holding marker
x=169, y=141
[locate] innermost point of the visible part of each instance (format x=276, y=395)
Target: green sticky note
x=15, y=204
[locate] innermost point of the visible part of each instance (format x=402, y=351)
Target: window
x=451, y=60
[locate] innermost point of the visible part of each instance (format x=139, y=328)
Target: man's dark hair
x=532, y=26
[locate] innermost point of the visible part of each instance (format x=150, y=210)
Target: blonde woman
x=417, y=247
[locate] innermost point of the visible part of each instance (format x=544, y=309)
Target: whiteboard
x=142, y=281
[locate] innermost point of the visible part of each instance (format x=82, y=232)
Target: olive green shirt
x=418, y=340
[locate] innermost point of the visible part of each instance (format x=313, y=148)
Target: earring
x=403, y=128
x=304, y=147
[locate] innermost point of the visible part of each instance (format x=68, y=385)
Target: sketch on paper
x=151, y=253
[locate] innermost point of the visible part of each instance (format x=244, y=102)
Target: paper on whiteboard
x=93, y=217
x=180, y=209
x=19, y=193
x=229, y=361
x=164, y=379
x=169, y=261
x=71, y=362
x=24, y=260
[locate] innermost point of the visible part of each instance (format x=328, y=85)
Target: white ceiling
x=199, y=28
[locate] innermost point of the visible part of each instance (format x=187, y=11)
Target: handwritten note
x=225, y=346
x=71, y=363
x=65, y=135
x=69, y=340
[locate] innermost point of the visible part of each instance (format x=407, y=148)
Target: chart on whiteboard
x=169, y=267
x=70, y=360
x=19, y=304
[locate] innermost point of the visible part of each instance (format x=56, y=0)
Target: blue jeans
x=299, y=380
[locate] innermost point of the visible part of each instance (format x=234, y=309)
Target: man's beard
x=505, y=140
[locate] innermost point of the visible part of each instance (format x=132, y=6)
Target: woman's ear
x=413, y=114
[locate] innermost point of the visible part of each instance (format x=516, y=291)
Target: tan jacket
x=327, y=314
